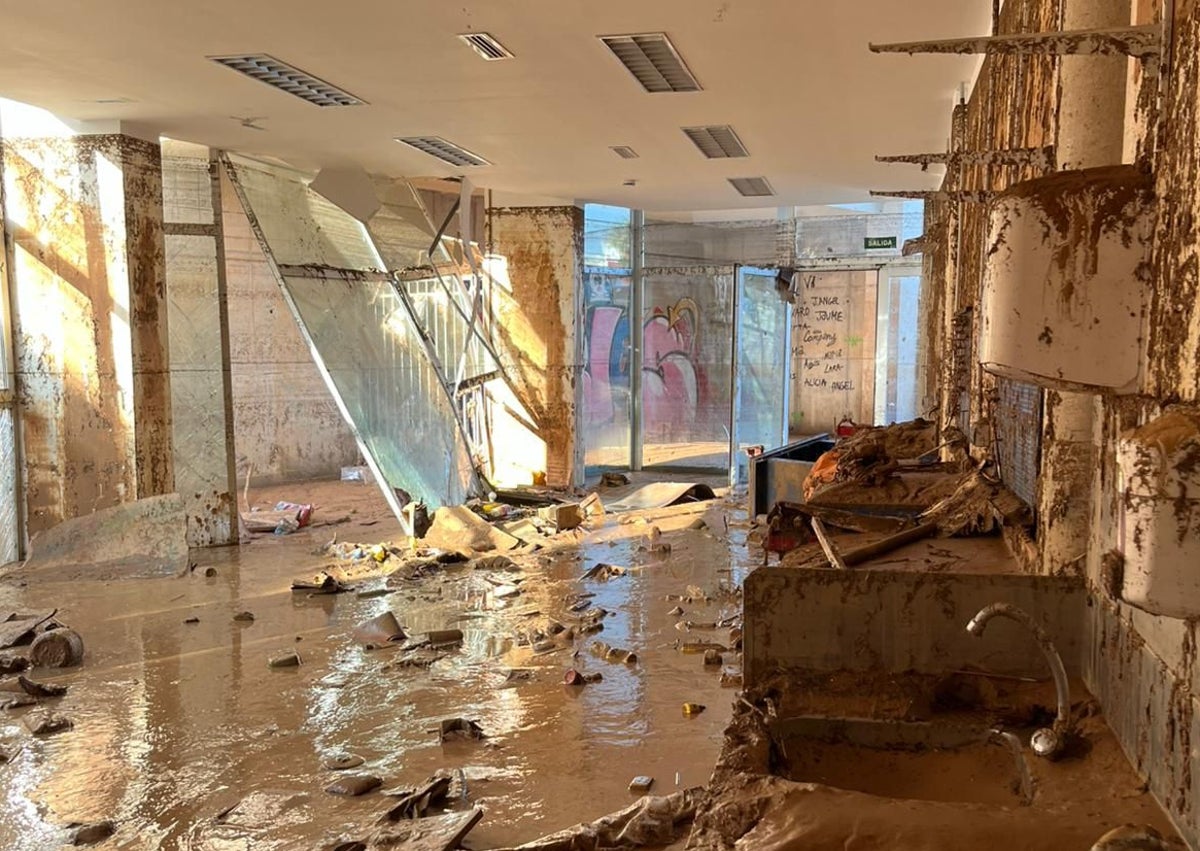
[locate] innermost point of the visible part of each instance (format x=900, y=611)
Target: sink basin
x=899, y=759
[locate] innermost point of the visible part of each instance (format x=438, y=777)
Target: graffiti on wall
x=672, y=380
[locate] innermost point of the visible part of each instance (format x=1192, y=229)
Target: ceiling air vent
x=752, y=187
x=717, y=141
x=447, y=152
x=269, y=70
x=653, y=61
x=486, y=46
x=624, y=152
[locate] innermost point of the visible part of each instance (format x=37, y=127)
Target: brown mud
x=175, y=723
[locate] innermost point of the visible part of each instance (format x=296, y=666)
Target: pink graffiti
x=598, y=402
x=671, y=380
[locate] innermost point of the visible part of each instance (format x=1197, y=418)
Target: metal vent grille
x=1018, y=423
x=447, y=152
x=752, y=187
x=653, y=61
x=486, y=46
x=288, y=78
x=717, y=141
x=624, y=152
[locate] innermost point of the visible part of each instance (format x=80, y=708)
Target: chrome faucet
x=1046, y=742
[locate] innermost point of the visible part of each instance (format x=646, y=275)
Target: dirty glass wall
x=10, y=541
x=373, y=349
x=687, y=362
x=761, y=365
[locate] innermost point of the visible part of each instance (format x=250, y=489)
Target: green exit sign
x=879, y=242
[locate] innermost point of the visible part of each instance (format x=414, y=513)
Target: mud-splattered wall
x=286, y=425
x=1142, y=667
x=544, y=251
x=90, y=321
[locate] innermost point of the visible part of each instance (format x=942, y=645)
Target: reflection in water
x=176, y=722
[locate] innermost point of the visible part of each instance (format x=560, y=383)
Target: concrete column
x=84, y=214
x=201, y=385
x=543, y=247
x=1091, y=133
x=145, y=257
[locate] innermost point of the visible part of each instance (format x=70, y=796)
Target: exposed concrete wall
x=286, y=425
x=538, y=324
x=904, y=621
x=90, y=323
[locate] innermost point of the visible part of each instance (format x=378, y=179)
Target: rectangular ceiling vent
x=653, y=61
x=624, y=152
x=752, y=187
x=447, y=152
x=269, y=70
x=486, y=46
x=717, y=141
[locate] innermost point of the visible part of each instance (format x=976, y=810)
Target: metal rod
x=734, y=366
x=437, y=237
x=1140, y=42
x=976, y=196
x=1036, y=157
x=637, y=220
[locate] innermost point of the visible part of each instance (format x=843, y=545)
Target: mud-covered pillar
x=542, y=249
x=145, y=261
x=1091, y=133
x=83, y=210
x=201, y=378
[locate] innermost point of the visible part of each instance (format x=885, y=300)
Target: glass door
x=686, y=368
x=760, y=367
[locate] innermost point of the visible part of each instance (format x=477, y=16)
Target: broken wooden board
x=433, y=833
x=17, y=627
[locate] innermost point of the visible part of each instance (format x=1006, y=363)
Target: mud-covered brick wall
x=538, y=324
x=286, y=425
x=89, y=326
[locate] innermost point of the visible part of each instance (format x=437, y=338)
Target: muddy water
x=174, y=722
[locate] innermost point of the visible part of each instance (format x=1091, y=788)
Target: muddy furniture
x=777, y=475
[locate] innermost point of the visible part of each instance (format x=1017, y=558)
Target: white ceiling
x=794, y=78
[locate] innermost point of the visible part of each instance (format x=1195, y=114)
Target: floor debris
x=652, y=821
x=287, y=659
x=458, y=729
x=343, y=762
x=380, y=630
x=91, y=834
x=37, y=689
x=354, y=785
x=43, y=722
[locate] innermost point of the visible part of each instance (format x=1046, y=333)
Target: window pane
x=607, y=237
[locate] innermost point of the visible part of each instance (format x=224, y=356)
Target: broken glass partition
x=761, y=367
x=369, y=337
x=687, y=361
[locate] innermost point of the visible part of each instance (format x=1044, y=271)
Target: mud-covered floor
x=176, y=721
